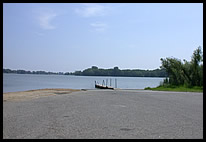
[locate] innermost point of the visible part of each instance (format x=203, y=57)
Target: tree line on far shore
x=188, y=74
x=30, y=72
x=95, y=71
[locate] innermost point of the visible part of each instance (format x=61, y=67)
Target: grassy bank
x=177, y=88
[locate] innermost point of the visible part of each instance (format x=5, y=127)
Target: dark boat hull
x=102, y=87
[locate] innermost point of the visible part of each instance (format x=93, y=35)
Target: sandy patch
x=32, y=94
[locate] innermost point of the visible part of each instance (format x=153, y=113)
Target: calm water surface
x=23, y=82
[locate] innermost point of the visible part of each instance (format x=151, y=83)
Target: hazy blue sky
x=70, y=37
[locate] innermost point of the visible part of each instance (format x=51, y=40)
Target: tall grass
x=176, y=88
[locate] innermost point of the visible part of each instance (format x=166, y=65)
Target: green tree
x=174, y=68
x=195, y=66
x=187, y=73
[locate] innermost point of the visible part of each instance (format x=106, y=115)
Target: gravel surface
x=106, y=114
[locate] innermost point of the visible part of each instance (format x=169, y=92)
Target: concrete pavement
x=106, y=114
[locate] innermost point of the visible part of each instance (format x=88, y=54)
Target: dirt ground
x=32, y=94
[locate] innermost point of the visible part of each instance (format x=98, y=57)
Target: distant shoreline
x=95, y=71
x=87, y=75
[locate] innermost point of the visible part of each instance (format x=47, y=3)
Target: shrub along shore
x=187, y=76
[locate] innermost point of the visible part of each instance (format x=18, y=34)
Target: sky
x=67, y=37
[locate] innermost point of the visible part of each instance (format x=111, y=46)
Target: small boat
x=103, y=87
x=97, y=85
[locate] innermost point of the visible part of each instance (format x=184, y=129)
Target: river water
x=24, y=82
